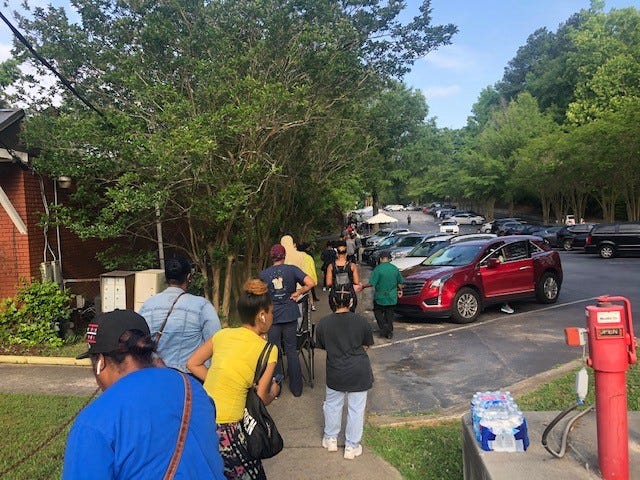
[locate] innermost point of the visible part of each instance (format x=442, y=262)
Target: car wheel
x=567, y=244
x=473, y=222
x=606, y=251
x=466, y=306
x=547, y=290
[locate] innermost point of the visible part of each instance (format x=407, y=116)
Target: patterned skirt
x=237, y=462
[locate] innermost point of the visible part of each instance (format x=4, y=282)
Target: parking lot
x=433, y=364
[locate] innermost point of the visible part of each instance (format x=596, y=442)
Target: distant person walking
x=328, y=256
x=408, y=220
x=131, y=430
x=310, y=269
x=345, y=336
x=179, y=322
x=387, y=281
x=282, y=279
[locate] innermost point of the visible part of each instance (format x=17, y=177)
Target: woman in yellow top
x=234, y=354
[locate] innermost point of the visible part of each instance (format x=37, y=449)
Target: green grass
x=435, y=452
x=27, y=420
x=421, y=453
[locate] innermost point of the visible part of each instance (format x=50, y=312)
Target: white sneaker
x=352, y=452
x=330, y=444
x=507, y=309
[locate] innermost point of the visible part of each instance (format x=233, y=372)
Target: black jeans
x=384, y=317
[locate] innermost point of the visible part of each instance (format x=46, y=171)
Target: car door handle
x=525, y=268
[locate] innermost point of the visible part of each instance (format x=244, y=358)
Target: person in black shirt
x=345, y=336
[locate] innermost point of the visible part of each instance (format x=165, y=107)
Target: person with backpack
x=343, y=274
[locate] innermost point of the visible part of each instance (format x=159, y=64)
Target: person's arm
x=268, y=389
x=308, y=285
x=196, y=362
x=210, y=320
x=357, y=286
x=330, y=275
x=87, y=455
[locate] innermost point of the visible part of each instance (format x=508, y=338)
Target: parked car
x=432, y=244
x=467, y=218
x=497, y=223
x=505, y=228
x=611, y=239
x=382, y=234
x=400, y=248
x=445, y=212
x=548, y=234
x=572, y=236
x=460, y=280
x=394, y=208
x=384, y=244
x=449, y=226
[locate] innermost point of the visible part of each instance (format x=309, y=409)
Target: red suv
x=461, y=279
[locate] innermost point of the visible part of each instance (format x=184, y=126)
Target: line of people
x=132, y=429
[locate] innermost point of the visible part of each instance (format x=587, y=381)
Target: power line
x=44, y=61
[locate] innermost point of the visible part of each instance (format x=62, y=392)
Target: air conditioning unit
x=148, y=283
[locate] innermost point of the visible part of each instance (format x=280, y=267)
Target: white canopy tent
x=381, y=218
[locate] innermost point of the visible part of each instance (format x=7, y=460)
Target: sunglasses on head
x=342, y=251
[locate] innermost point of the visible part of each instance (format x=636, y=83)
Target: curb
x=30, y=360
x=456, y=411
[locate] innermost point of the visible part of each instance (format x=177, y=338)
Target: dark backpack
x=342, y=277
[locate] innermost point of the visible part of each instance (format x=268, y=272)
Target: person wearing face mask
x=234, y=354
x=131, y=431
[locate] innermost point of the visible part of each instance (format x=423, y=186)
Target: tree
x=220, y=119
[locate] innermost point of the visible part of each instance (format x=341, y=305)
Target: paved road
x=434, y=364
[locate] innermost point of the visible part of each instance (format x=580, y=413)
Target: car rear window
x=605, y=229
x=629, y=228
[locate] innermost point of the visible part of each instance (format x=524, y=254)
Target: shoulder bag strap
x=159, y=334
x=263, y=359
x=182, y=433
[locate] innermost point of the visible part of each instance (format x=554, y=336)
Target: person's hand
x=274, y=391
x=357, y=287
x=399, y=293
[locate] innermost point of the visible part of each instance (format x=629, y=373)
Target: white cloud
x=452, y=57
x=440, y=92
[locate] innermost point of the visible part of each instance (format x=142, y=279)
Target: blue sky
x=490, y=33
x=451, y=78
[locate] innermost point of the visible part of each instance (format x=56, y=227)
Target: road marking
x=475, y=324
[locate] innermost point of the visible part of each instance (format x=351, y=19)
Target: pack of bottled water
x=498, y=423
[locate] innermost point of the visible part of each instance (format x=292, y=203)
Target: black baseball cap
x=103, y=334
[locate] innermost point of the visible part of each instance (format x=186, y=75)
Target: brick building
x=24, y=243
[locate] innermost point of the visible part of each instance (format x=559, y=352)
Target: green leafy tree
x=220, y=120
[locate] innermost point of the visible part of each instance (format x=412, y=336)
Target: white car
x=467, y=219
x=394, y=208
x=449, y=226
x=486, y=227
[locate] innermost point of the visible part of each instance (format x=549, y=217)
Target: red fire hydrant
x=612, y=348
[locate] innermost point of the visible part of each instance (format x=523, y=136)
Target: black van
x=609, y=239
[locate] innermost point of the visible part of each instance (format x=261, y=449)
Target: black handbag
x=263, y=438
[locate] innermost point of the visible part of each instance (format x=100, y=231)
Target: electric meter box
x=116, y=290
x=148, y=283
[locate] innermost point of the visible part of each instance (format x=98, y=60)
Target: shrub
x=35, y=315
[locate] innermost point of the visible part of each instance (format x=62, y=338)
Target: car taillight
x=588, y=242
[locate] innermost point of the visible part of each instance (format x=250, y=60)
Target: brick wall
x=21, y=255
